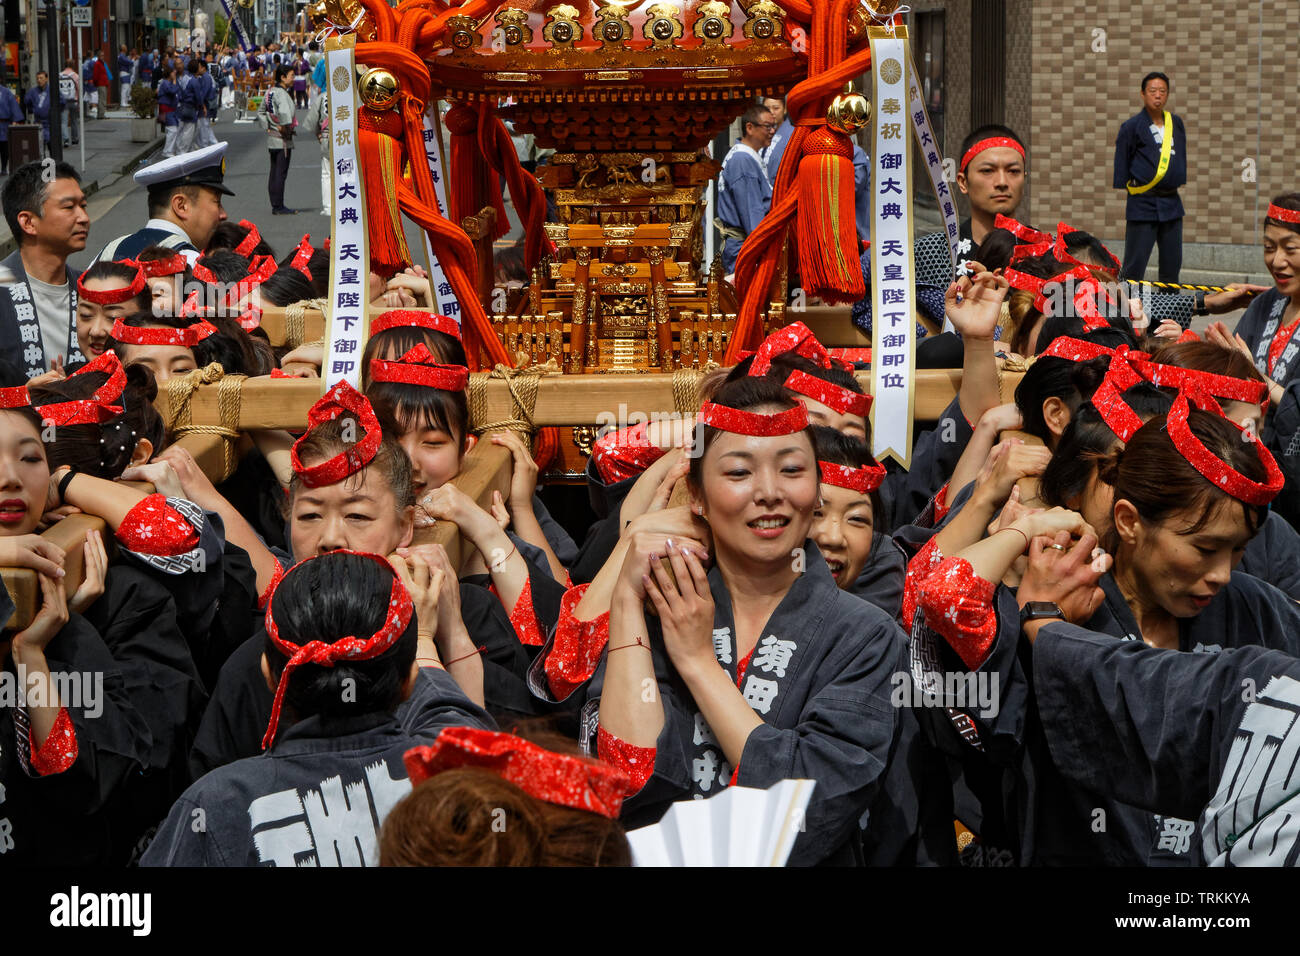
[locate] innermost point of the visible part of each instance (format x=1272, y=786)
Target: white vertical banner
x=345, y=336
x=930, y=151
x=444, y=300
x=893, y=320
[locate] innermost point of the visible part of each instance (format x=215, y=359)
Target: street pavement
x=122, y=207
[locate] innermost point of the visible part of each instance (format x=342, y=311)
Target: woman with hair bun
x=348, y=641
x=483, y=798
x=1189, y=493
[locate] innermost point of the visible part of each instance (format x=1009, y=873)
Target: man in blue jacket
x=1151, y=164
x=37, y=102
x=11, y=111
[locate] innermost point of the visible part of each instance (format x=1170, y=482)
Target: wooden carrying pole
x=562, y=400
x=24, y=586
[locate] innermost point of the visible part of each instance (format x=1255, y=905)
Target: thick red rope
x=828, y=69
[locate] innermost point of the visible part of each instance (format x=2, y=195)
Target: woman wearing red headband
x=106, y=292
x=76, y=756
x=765, y=670
x=433, y=416
x=167, y=271
x=1189, y=493
x=550, y=806
x=348, y=641
x=1267, y=331
x=351, y=491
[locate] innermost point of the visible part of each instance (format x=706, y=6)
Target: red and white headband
x=563, y=780
x=795, y=337
x=1218, y=472
x=994, y=142
x=261, y=269
x=157, y=268
x=757, y=424
x=342, y=399
x=114, y=296
x=326, y=654
x=419, y=367
x=864, y=480
x=250, y=241
x=98, y=408
x=1283, y=215
x=1114, y=411
x=15, y=397
x=302, y=255
x=187, y=337
x=843, y=400
x=204, y=274
x=414, y=318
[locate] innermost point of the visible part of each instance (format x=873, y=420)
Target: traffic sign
x=81, y=16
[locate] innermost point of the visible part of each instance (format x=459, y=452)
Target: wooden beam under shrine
x=562, y=400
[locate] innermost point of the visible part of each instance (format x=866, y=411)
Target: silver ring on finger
x=1058, y=547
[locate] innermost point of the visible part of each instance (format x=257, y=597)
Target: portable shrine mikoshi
x=621, y=315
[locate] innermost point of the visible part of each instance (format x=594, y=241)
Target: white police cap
x=201, y=167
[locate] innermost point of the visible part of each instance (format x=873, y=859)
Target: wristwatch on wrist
x=1200, y=308
x=1040, y=611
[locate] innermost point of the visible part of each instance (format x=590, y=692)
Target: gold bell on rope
x=378, y=89
x=848, y=113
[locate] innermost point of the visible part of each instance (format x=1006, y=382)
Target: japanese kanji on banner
x=350, y=261
x=893, y=356
x=444, y=299
x=933, y=162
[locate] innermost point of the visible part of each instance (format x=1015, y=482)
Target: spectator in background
x=278, y=107
x=125, y=70
x=318, y=119
x=37, y=103
x=144, y=68
x=101, y=79
x=1154, y=213
x=771, y=156
x=169, y=92
x=11, y=111
x=70, y=88
x=301, y=69
x=744, y=192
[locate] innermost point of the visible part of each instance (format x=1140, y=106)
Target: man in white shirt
x=38, y=303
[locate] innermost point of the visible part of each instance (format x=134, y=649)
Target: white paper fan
x=740, y=826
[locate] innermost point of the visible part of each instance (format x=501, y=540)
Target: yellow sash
x=1166, y=149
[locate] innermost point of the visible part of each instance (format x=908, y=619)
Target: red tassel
x=379, y=154
x=829, y=261
x=467, y=163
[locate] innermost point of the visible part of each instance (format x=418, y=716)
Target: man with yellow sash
x=1150, y=165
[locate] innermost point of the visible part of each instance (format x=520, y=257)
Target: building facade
x=1065, y=75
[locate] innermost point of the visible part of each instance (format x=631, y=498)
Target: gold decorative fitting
x=562, y=28
x=584, y=436
x=663, y=26
x=514, y=28
x=464, y=34
x=378, y=89
x=766, y=22
x=713, y=23
x=848, y=113
x=612, y=28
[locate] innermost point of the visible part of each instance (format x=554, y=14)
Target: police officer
x=184, y=205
